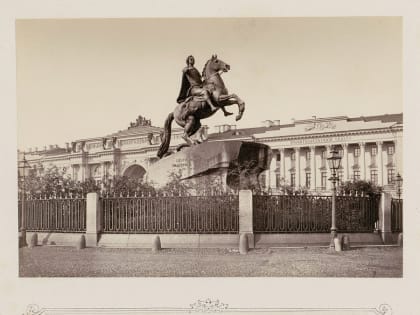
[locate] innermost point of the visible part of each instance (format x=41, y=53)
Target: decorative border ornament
x=208, y=306
x=32, y=309
x=384, y=309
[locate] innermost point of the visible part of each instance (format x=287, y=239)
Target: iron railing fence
x=357, y=213
x=54, y=214
x=285, y=214
x=171, y=214
x=396, y=215
x=312, y=214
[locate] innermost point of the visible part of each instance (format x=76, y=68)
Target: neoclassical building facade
x=370, y=147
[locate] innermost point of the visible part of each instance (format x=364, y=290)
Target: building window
x=278, y=180
x=308, y=155
x=341, y=152
x=308, y=180
x=356, y=152
x=391, y=150
x=292, y=179
x=323, y=179
x=374, y=151
x=278, y=157
x=324, y=158
x=356, y=175
x=391, y=176
x=293, y=156
x=374, y=177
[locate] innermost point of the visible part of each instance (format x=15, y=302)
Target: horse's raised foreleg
x=232, y=99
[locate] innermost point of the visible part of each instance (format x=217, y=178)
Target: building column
x=75, y=172
x=362, y=161
x=283, y=164
x=103, y=170
x=313, y=168
x=84, y=172
x=380, y=163
x=328, y=183
x=345, y=162
x=273, y=166
x=297, y=167
x=267, y=177
x=398, y=153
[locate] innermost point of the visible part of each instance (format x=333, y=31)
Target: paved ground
x=54, y=261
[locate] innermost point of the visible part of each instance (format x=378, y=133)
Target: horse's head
x=215, y=65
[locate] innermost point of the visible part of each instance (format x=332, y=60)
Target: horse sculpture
x=189, y=113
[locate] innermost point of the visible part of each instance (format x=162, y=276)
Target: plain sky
x=91, y=77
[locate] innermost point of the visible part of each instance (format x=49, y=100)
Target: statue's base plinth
x=238, y=163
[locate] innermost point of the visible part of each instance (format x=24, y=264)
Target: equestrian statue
x=199, y=98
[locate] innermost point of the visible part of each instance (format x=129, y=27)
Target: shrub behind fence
x=174, y=214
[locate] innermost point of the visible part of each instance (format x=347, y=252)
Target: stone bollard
x=337, y=244
x=345, y=242
x=156, y=246
x=243, y=244
x=81, y=244
x=22, y=239
x=400, y=239
x=34, y=240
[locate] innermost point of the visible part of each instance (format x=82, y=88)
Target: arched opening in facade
x=135, y=172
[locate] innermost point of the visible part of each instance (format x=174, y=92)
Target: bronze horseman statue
x=200, y=97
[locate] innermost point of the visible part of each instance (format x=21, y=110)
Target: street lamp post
x=334, y=162
x=399, y=180
x=22, y=227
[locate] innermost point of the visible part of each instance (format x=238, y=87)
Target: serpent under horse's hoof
x=181, y=146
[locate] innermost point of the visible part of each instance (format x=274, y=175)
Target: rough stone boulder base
x=238, y=162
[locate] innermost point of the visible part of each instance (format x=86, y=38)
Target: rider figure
x=192, y=85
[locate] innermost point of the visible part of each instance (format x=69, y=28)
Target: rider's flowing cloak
x=185, y=86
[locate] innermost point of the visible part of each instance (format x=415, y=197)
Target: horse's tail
x=166, y=138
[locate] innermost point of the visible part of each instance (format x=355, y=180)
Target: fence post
x=385, y=217
x=93, y=219
x=246, y=216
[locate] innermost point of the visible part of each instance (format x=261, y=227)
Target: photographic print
x=184, y=158
x=158, y=147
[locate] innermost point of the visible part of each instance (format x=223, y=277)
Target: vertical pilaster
x=385, y=217
x=246, y=216
x=93, y=219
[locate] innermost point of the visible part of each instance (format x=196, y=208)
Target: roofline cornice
x=329, y=134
